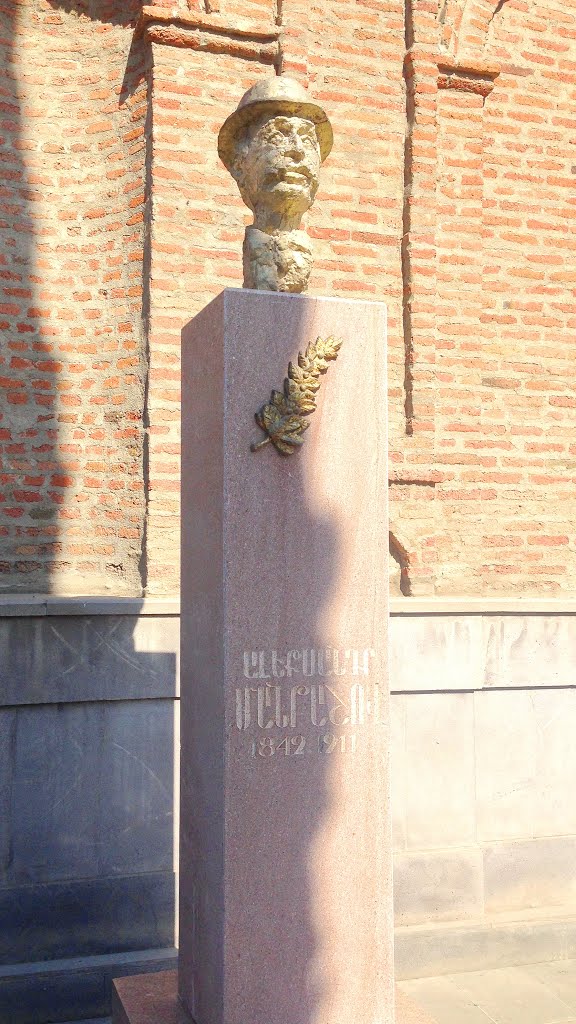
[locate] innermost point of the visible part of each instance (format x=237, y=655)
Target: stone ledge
x=503, y=940
x=482, y=606
x=37, y=605
x=196, y=31
x=131, y=961
x=472, y=74
x=469, y=66
x=93, y=1020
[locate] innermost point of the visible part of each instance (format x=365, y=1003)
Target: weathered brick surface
x=449, y=194
x=72, y=367
x=491, y=304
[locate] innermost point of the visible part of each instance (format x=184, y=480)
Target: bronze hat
x=278, y=95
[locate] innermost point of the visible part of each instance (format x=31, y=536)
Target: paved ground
x=535, y=994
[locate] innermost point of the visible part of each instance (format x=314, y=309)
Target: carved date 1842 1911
x=306, y=717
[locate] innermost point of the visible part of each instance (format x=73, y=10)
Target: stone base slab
x=148, y=999
x=153, y=999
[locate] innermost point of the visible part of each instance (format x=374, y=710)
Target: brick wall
x=72, y=369
x=447, y=194
x=505, y=305
x=527, y=378
x=198, y=220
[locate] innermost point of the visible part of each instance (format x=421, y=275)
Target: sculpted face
x=277, y=169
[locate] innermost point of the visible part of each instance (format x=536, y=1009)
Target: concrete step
x=504, y=940
x=93, y=1020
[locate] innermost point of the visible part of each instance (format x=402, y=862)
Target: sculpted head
x=276, y=165
x=273, y=145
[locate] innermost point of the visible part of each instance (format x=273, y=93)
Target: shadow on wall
x=134, y=94
x=86, y=701
x=399, y=568
x=111, y=12
x=74, y=300
x=32, y=476
x=86, y=809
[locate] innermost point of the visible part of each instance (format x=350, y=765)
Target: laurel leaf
x=283, y=448
x=267, y=415
x=291, y=424
x=296, y=394
x=297, y=373
x=293, y=439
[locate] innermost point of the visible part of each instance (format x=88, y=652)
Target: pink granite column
x=286, y=901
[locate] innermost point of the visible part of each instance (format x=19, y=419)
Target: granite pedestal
x=285, y=882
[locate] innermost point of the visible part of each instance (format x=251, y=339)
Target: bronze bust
x=273, y=145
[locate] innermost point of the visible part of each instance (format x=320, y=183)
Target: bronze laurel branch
x=283, y=418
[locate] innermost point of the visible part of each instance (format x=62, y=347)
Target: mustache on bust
x=279, y=174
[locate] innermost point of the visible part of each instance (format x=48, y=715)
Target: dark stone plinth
x=68, y=989
x=153, y=999
x=86, y=801
x=86, y=918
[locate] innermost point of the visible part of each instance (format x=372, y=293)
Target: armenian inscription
x=311, y=700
